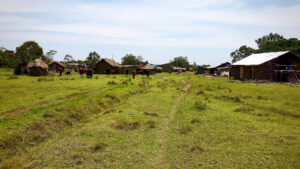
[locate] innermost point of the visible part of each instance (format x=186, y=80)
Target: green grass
x=118, y=122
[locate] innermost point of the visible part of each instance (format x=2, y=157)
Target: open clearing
x=114, y=121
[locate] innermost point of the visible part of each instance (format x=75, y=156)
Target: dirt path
x=161, y=160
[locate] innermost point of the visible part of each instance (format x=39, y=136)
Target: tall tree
x=50, y=55
x=130, y=59
x=292, y=45
x=28, y=51
x=68, y=58
x=7, y=58
x=268, y=38
x=241, y=53
x=92, y=59
x=180, y=61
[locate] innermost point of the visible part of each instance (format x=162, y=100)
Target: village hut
x=274, y=66
x=201, y=70
x=158, y=69
x=55, y=66
x=178, y=69
x=37, y=68
x=107, y=66
x=148, y=68
x=128, y=69
x=165, y=67
x=220, y=70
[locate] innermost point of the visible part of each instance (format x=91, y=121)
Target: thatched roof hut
x=54, y=66
x=107, y=66
x=37, y=68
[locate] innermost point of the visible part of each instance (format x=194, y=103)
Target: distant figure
x=68, y=73
x=170, y=71
x=133, y=74
x=147, y=73
x=89, y=72
x=60, y=71
x=127, y=72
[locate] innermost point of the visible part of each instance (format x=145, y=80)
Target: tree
x=68, y=58
x=27, y=52
x=292, y=45
x=268, y=38
x=7, y=58
x=92, y=59
x=130, y=59
x=241, y=53
x=180, y=61
x=50, y=55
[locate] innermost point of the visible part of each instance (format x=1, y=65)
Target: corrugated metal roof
x=258, y=59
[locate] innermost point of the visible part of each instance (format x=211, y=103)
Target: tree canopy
x=50, y=55
x=68, y=58
x=180, y=61
x=28, y=51
x=92, y=59
x=241, y=53
x=130, y=59
x=7, y=58
x=268, y=43
x=268, y=38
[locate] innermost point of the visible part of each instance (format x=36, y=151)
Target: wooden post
x=241, y=72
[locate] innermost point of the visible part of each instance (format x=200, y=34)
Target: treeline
x=268, y=43
x=31, y=50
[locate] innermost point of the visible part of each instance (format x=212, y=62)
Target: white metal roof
x=257, y=59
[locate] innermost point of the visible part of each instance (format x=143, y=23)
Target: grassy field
x=165, y=121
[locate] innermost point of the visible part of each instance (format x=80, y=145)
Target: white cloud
x=189, y=23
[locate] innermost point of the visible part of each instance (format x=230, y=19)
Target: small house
x=107, y=66
x=128, y=69
x=158, y=69
x=148, y=68
x=55, y=66
x=37, y=68
x=220, y=70
x=274, y=66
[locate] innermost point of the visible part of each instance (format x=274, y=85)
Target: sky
x=206, y=31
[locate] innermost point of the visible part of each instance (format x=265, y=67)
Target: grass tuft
x=184, y=129
x=150, y=124
x=151, y=114
x=112, y=82
x=124, y=125
x=98, y=145
x=200, y=105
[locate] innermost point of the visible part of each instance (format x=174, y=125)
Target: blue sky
x=204, y=30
